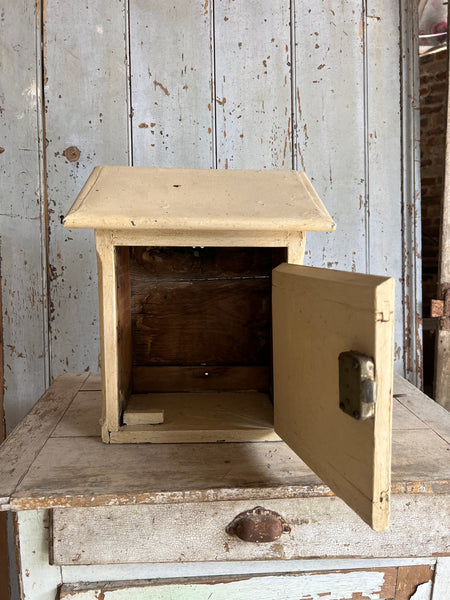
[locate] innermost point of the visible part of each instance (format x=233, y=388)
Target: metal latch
x=357, y=385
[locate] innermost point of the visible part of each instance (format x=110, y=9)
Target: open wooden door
x=317, y=315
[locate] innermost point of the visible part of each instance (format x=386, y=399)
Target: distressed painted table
x=148, y=521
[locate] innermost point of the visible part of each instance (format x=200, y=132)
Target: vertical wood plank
x=171, y=83
x=39, y=580
x=441, y=586
x=20, y=215
x=4, y=561
x=112, y=392
x=411, y=221
x=253, y=84
x=383, y=162
x=329, y=94
x=442, y=370
x=86, y=125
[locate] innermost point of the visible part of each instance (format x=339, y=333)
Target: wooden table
x=150, y=519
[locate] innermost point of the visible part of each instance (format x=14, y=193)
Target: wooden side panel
x=171, y=84
x=123, y=324
x=86, y=125
x=317, y=314
x=253, y=84
x=115, y=327
x=23, y=279
x=371, y=584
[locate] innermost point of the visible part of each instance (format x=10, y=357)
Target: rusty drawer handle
x=258, y=525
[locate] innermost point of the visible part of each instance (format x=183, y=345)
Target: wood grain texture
x=329, y=111
x=4, y=557
x=317, y=314
x=93, y=382
x=22, y=212
x=430, y=413
x=376, y=584
x=25, y=442
x=253, y=85
x=409, y=578
x=204, y=378
x=199, y=263
x=442, y=373
x=172, y=84
x=319, y=527
x=203, y=322
x=114, y=308
x=199, y=417
x=86, y=122
x=349, y=151
x=132, y=474
x=383, y=170
x=227, y=238
x=83, y=417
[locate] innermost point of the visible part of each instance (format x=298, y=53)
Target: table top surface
x=55, y=457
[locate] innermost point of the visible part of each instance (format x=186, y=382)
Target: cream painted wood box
x=211, y=330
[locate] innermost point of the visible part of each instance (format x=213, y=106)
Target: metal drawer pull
x=258, y=525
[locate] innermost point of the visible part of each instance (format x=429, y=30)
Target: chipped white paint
x=341, y=586
x=329, y=68
x=319, y=527
x=423, y=591
x=171, y=84
x=85, y=53
x=38, y=579
x=253, y=84
x=441, y=588
x=383, y=179
x=21, y=227
x=193, y=52
x=86, y=114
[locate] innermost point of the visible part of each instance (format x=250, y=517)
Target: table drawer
x=319, y=527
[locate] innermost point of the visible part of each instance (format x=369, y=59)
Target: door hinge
x=441, y=308
x=357, y=385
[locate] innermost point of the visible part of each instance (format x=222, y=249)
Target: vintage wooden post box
x=211, y=330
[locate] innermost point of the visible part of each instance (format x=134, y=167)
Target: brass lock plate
x=357, y=385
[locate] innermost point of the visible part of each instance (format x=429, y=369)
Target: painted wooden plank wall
x=86, y=124
x=314, y=86
x=22, y=214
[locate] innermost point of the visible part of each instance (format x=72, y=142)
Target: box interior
x=201, y=325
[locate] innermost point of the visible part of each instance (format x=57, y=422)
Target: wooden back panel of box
x=201, y=318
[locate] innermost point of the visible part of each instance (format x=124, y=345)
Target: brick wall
x=433, y=87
